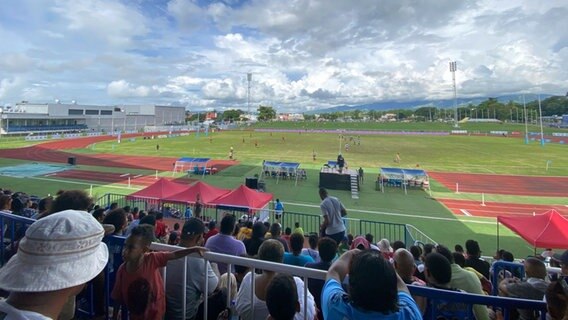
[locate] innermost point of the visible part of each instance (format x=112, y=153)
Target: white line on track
x=465, y=212
x=124, y=175
x=138, y=176
x=86, y=183
x=404, y=215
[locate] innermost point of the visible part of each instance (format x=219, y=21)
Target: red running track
x=52, y=152
x=494, y=209
x=504, y=184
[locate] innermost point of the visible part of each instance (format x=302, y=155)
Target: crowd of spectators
x=365, y=280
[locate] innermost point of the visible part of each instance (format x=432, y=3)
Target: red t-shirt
x=209, y=234
x=143, y=291
x=161, y=229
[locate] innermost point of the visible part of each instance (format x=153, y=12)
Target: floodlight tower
x=453, y=69
x=249, y=79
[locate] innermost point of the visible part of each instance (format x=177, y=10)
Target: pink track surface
x=52, y=151
x=494, y=209
x=504, y=184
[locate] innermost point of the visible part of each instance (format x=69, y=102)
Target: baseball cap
x=193, y=226
x=562, y=258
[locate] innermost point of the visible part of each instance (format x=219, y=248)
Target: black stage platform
x=332, y=179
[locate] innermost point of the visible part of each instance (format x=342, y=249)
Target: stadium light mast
x=249, y=79
x=453, y=69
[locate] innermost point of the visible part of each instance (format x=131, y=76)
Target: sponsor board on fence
x=502, y=133
x=35, y=138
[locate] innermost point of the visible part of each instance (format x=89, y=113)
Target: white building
x=57, y=117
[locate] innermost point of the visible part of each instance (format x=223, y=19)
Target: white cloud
x=303, y=54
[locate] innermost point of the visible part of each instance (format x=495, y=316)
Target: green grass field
x=481, y=154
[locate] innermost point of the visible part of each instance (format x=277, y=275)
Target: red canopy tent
x=547, y=230
x=161, y=189
x=244, y=197
x=207, y=192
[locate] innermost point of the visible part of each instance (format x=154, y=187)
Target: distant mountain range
x=448, y=103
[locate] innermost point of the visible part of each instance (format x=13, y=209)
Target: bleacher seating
x=78, y=127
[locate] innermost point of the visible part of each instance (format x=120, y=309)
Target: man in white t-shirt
x=332, y=210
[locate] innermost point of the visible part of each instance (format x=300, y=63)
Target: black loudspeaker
x=251, y=182
x=72, y=161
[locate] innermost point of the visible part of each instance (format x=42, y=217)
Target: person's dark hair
x=44, y=204
x=71, y=199
x=472, y=248
x=142, y=214
x=296, y=243
x=349, y=239
x=428, y=247
x=241, y=269
x=227, y=224
x=5, y=202
x=443, y=250
x=313, y=240
x=439, y=268
x=126, y=209
x=275, y=230
x=398, y=245
x=212, y=224
x=327, y=248
x=288, y=231
x=159, y=215
x=258, y=230
x=145, y=232
x=296, y=224
x=322, y=192
x=372, y=283
x=369, y=237
x=507, y=256
x=99, y=213
x=267, y=226
x=271, y=250
x=113, y=205
x=458, y=248
x=176, y=226
x=148, y=219
x=116, y=217
x=282, y=297
x=459, y=259
x=416, y=252
x=135, y=210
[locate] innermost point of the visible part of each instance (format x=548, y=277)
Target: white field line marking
x=137, y=176
x=124, y=175
x=87, y=183
x=465, y=212
x=406, y=215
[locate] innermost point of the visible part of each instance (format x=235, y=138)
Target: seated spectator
x=191, y=236
x=134, y=223
x=328, y=250
x=458, y=248
x=312, y=250
x=369, y=238
x=270, y=250
x=375, y=290
x=438, y=274
x=174, y=237
x=5, y=203
x=295, y=257
x=99, y=214
x=298, y=229
x=405, y=268
x=161, y=229
x=282, y=298
x=43, y=207
x=255, y=240
x=286, y=235
x=212, y=230
x=466, y=281
x=533, y=287
x=117, y=218
x=275, y=231
x=416, y=252
x=245, y=232
x=385, y=248
x=57, y=256
x=223, y=242
x=557, y=300
x=474, y=258
x=398, y=245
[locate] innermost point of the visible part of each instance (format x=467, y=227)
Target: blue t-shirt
x=299, y=260
x=336, y=306
x=278, y=206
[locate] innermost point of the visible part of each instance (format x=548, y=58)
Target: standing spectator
x=212, y=230
x=139, y=284
x=282, y=298
x=533, y=287
x=328, y=250
x=53, y=265
x=312, y=250
x=191, y=236
x=474, y=258
x=225, y=243
x=198, y=206
x=332, y=210
x=257, y=238
x=340, y=162
x=375, y=290
x=174, y=237
x=360, y=171
x=295, y=257
x=275, y=231
x=278, y=210
x=270, y=250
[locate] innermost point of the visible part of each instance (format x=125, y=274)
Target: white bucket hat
x=59, y=251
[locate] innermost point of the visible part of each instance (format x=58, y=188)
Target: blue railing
x=11, y=224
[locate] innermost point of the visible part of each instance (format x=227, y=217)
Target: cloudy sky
x=303, y=54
